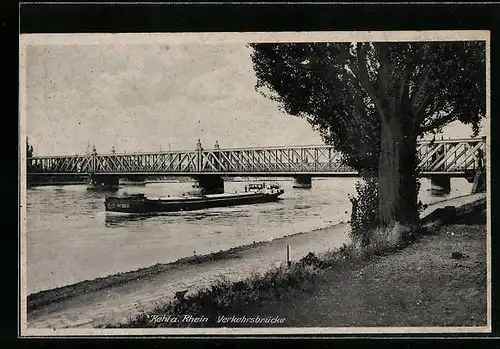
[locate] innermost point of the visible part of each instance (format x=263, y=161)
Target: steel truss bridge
x=455, y=158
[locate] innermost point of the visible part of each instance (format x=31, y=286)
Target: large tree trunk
x=397, y=190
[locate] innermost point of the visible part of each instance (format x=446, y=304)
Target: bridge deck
x=451, y=157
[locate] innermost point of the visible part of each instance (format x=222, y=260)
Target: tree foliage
x=29, y=149
x=364, y=214
x=371, y=101
x=343, y=89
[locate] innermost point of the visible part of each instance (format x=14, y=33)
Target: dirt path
x=421, y=285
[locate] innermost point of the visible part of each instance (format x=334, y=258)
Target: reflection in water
x=301, y=207
x=70, y=238
x=116, y=219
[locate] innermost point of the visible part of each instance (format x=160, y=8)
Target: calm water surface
x=70, y=238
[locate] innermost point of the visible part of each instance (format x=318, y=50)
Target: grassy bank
x=440, y=280
x=281, y=289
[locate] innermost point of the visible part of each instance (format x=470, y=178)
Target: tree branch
x=364, y=78
x=419, y=99
x=442, y=121
x=404, y=92
x=384, y=68
x=383, y=72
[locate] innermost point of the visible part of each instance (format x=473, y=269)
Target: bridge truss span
x=450, y=156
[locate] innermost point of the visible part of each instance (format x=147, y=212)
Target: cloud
x=140, y=96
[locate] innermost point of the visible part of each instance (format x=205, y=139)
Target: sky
x=150, y=97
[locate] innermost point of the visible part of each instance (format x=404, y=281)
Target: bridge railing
x=434, y=156
x=454, y=156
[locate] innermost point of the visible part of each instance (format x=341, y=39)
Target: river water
x=70, y=238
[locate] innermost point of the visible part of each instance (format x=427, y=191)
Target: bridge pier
x=303, y=181
x=103, y=182
x=133, y=180
x=441, y=184
x=470, y=175
x=210, y=184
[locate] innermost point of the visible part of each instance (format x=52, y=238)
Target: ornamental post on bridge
x=93, y=160
x=199, y=156
x=100, y=182
x=217, y=156
x=208, y=183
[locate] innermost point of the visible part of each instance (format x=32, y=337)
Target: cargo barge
x=140, y=203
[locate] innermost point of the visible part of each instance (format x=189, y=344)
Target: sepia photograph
x=255, y=183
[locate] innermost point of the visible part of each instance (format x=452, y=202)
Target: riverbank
x=439, y=279
x=42, y=298
x=115, y=298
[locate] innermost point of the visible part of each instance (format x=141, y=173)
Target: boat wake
x=118, y=218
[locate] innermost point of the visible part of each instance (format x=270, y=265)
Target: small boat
x=140, y=203
x=258, y=187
